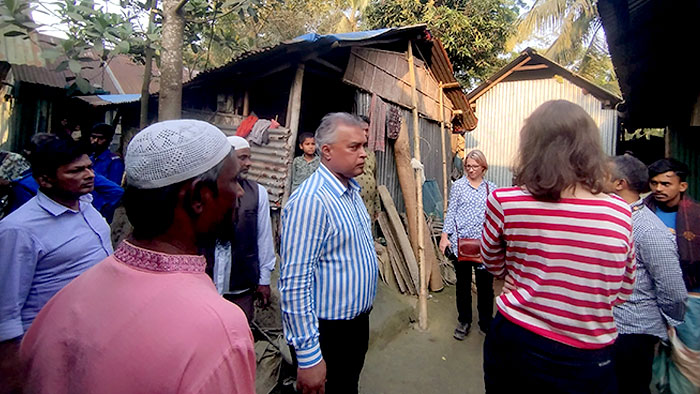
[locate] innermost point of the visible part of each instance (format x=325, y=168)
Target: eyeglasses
x=470, y=167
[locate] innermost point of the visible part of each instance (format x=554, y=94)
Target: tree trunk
x=170, y=101
x=147, y=71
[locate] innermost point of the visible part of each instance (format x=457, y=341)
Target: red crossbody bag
x=469, y=249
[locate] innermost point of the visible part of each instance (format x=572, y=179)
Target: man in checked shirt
x=659, y=296
x=328, y=271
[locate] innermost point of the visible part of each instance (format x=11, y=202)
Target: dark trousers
x=517, y=360
x=484, y=293
x=634, y=355
x=343, y=346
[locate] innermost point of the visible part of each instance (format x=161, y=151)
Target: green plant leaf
x=123, y=46
x=74, y=66
x=83, y=85
x=62, y=66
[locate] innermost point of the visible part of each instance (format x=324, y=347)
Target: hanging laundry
x=377, y=124
x=246, y=126
x=260, y=135
x=393, y=123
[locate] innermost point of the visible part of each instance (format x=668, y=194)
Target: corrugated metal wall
x=431, y=154
x=503, y=109
x=269, y=162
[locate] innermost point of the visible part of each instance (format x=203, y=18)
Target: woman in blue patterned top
x=465, y=219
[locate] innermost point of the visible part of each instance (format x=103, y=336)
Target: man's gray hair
x=325, y=133
x=632, y=170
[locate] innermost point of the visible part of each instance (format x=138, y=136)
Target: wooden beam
x=246, y=104
x=451, y=85
x=532, y=67
x=499, y=79
x=292, y=122
x=328, y=64
x=423, y=292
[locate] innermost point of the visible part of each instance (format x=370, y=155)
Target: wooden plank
x=403, y=244
x=403, y=277
x=384, y=260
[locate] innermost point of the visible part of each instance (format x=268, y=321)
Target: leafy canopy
x=473, y=32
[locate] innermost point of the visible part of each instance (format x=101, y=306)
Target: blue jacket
x=105, y=197
x=109, y=165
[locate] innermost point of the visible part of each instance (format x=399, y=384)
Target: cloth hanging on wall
x=377, y=124
x=246, y=126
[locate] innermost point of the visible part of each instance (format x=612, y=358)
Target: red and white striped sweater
x=571, y=262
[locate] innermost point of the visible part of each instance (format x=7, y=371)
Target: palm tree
x=580, y=40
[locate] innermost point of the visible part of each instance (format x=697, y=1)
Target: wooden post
x=246, y=104
x=293, y=113
x=423, y=293
x=444, y=154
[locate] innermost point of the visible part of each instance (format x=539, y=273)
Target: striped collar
x=334, y=184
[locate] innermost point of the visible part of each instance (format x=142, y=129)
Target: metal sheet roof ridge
x=570, y=75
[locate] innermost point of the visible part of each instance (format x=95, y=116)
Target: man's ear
x=45, y=181
x=684, y=187
x=199, y=194
x=326, y=152
x=621, y=184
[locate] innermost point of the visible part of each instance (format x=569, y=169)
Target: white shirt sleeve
x=266, y=249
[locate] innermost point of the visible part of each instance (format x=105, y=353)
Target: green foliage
x=94, y=34
x=579, y=42
x=473, y=31
x=277, y=21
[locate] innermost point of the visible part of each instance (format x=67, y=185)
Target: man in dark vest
x=241, y=269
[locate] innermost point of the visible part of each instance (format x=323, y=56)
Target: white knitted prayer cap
x=172, y=151
x=238, y=142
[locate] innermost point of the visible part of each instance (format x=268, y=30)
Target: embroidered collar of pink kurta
x=150, y=260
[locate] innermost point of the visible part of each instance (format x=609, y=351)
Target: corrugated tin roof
x=260, y=60
x=443, y=71
x=99, y=100
x=530, y=57
x=38, y=75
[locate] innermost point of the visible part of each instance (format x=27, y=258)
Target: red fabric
x=246, y=126
x=571, y=262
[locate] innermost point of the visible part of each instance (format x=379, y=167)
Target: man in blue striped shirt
x=328, y=273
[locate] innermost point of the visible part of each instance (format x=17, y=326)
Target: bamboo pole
x=423, y=292
x=444, y=154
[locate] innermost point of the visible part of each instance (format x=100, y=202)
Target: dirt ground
x=427, y=362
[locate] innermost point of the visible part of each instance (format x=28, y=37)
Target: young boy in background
x=305, y=165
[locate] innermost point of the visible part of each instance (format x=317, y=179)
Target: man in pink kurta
x=148, y=319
